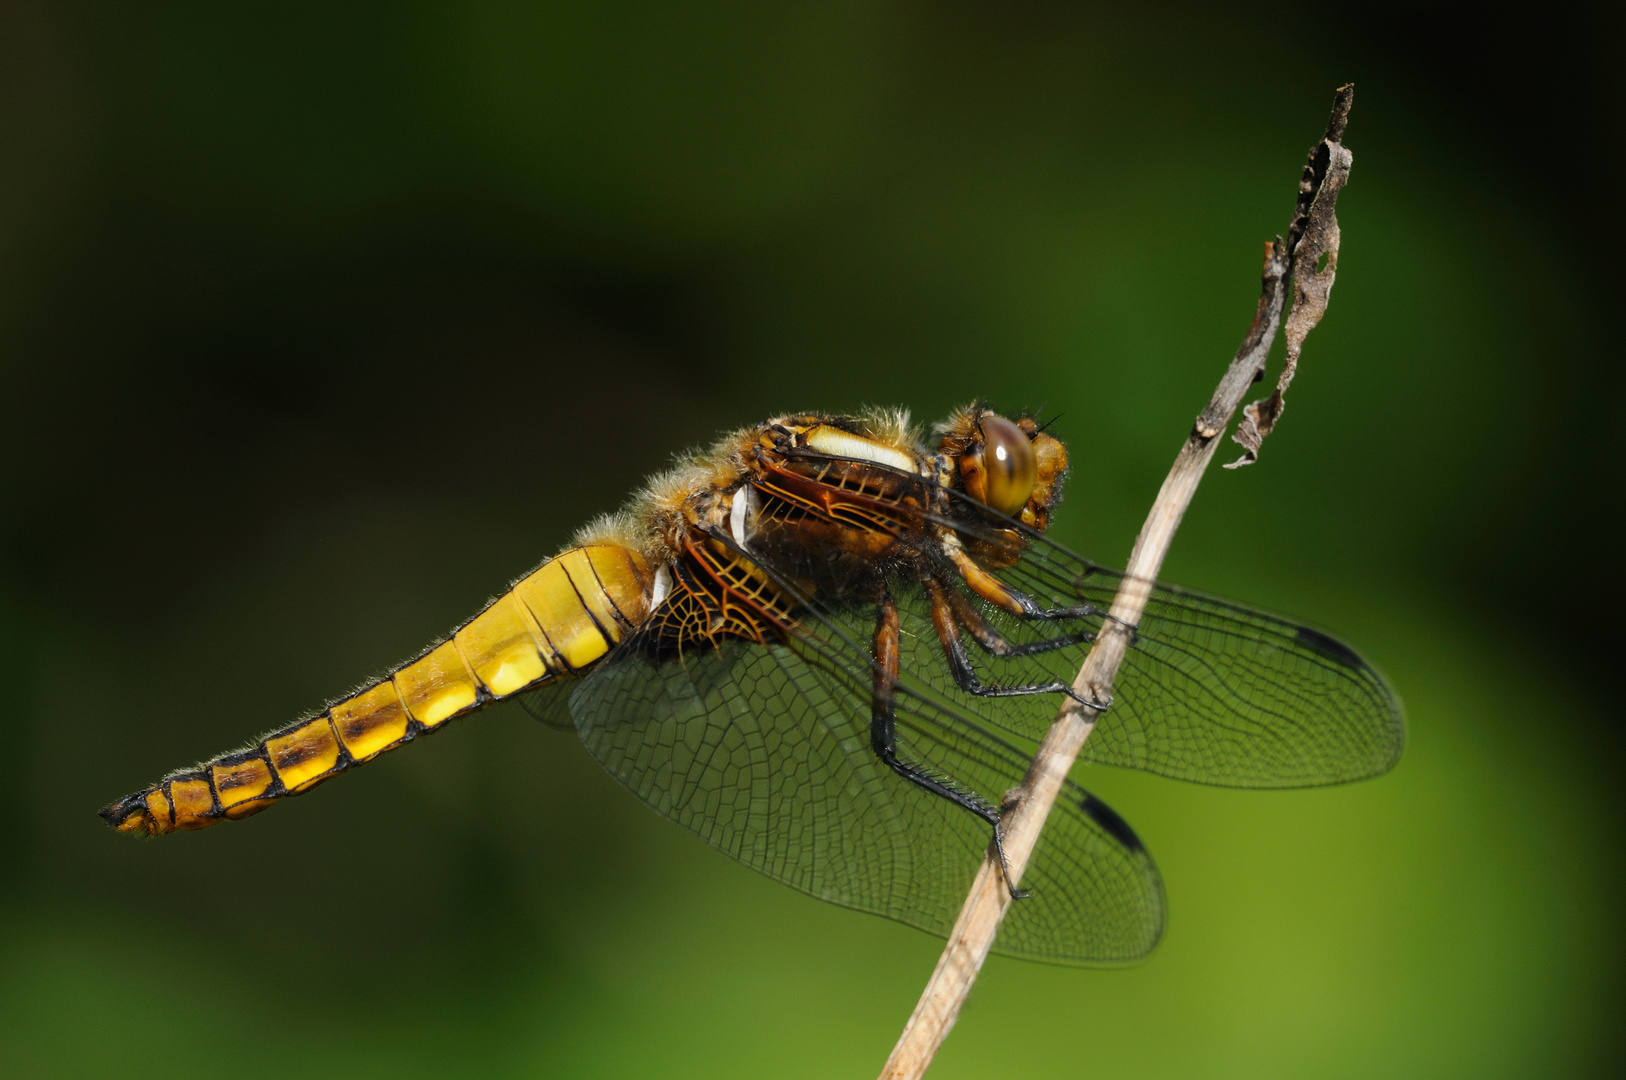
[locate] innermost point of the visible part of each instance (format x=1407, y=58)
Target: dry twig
x=1312, y=234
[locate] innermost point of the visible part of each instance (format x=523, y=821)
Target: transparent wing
x=764, y=752
x=1210, y=691
x=550, y=703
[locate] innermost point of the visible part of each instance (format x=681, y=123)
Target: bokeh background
x=320, y=322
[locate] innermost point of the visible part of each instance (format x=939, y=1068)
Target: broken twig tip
x=1312, y=253
x=1343, y=98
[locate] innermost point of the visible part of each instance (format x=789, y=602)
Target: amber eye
x=1010, y=463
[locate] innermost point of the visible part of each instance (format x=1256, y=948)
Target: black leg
x=946, y=619
x=995, y=644
x=1013, y=600
x=883, y=735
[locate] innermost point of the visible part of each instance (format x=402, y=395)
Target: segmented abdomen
x=552, y=624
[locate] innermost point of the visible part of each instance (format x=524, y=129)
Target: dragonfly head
x=1009, y=466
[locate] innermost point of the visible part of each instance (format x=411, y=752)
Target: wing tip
x=1330, y=648
x=1111, y=822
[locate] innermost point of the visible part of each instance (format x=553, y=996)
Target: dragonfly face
x=813, y=646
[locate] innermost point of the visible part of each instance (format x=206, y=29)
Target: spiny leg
x=994, y=643
x=951, y=610
x=946, y=623
x=1006, y=598
x=883, y=735
x=1019, y=604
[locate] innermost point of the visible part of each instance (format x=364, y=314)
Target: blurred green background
x=320, y=322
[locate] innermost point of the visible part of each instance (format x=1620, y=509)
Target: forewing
x=1210, y=691
x=1217, y=692
x=763, y=751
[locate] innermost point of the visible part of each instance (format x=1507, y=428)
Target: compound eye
x=1011, y=465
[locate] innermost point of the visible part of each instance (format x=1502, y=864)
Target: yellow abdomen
x=552, y=624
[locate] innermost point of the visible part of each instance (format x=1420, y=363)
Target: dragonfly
x=826, y=646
